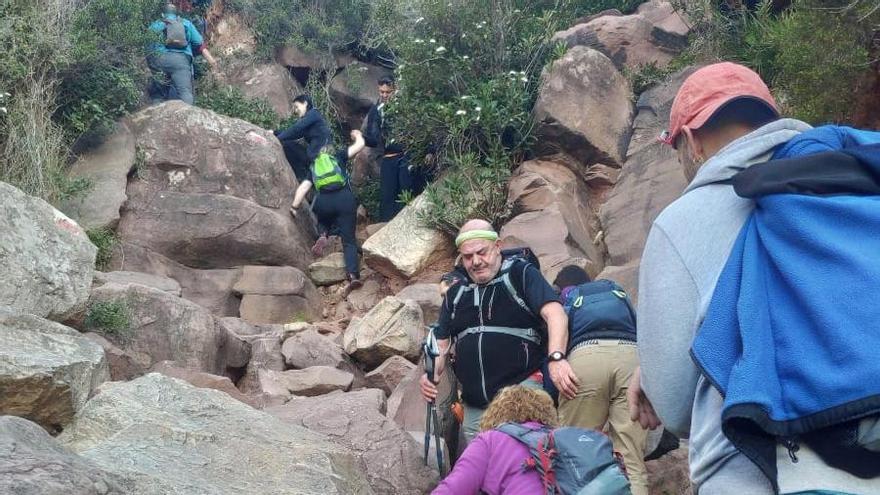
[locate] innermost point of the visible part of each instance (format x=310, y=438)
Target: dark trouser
x=173, y=66
x=301, y=157
x=395, y=178
x=337, y=211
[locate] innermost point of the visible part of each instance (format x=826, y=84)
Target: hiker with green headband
x=501, y=321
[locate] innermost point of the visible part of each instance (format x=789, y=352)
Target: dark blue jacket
x=313, y=128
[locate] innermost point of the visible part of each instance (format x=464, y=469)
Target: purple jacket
x=492, y=462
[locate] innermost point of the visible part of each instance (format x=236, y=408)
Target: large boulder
x=392, y=328
x=163, y=435
x=271, y=82
x=165, y=284
x=650, y=179
x=427, y=296
x=310, y=348
x=317, y=380
x=328, y=270
x=162, y=327
x=46, y=259
x=33, y=463
x=403, y=247
x=630, y=41
x=106, y=168
x=211, y=192
x=354, y=90
x=231, y=36
x=365, y=298
x=584, y=108
x=47, y=370
x=554, y=217
x=123, y=365
x=393, y=459
x=202, y=380
x=665, y=18
x=276, y=294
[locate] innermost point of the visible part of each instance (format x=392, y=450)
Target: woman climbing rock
x=335, y=205
x=312, y=128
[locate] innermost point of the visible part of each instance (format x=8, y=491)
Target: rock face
x=271, y=82
x=584, y=108
x=328, y=270
x=33, y=463
x=276, y=294
x=165, y=436
x=46, y=259
x=365, y=298
x=354, y=91
x=392, y=328
x=427, y=296
x=162, y=327
x=650, y=180
x=554, y=217
x=123, y=366
x=392, y=458
x=309, y=348
x=202, y=380
x=403, y=247
x=389, y=374
x=165, y=284
x=631, y=41
x=106, y=168
x=211, y=193
x=317, y=380
x=47, y=370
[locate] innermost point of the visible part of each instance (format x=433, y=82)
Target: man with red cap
x=723, y=120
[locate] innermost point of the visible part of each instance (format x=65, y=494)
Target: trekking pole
x=432, y=422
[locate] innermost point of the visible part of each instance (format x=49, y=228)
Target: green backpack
x=327, y=174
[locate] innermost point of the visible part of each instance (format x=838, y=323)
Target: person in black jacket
x=396, y=172
x=313, y=128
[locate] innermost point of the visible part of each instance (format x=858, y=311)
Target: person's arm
x=668, y=317
x=300, y=195
x=298, y=129
x=373, y=128
x=208, y=57
x=469, y=472
x=357, y=143
x=441, y=332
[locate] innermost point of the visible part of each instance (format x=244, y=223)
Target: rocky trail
x=214, y=355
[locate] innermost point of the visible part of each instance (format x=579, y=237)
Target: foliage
x=230, y=101
x=105, y=239
x=814, y=54
x=468, y=74
x=109, y=318
x=368, y=196
x=587, y=7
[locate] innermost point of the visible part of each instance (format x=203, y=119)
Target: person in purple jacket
x=493, y=462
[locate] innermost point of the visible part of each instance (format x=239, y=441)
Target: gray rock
x=106, y=168
x=162, y=327
x=328, y=270
x=46, y=259
x=271, y=82
x=202, y=380
x=276, y=294
x=123, y=366
x=33, y=463
x=392, y=328
x=47, y=370
x=393, y=459
x=354, y=90
x=316, y=380
x=427, y=296
x=166, y=284
x=365, y=298
x=389, y=374
x=584, y=108
x=164, y=436
x=309, y=348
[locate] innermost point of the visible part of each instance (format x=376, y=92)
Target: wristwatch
x=556, y=356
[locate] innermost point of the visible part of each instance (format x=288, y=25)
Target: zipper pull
x=792, y=446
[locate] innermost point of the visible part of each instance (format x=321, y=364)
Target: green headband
x=470, y=235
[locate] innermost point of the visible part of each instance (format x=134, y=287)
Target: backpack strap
x=523, y=333
x=540, y=444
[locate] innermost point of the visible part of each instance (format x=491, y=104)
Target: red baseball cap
x=708, y=90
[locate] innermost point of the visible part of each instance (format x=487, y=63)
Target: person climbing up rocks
x=171, y=59
x=741, y=348
x=335, y=205
x=504, y=321
x=311, y=127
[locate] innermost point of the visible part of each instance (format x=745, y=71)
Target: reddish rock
x=427, y=296
x=317, y=380
x=202, y=380
x=670, y=474
x=389, y=374
x=271, y=82
x=123, y=366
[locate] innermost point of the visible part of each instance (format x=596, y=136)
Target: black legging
x=394, y=178
x=337, y=211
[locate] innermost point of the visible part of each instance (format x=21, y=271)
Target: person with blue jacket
x=172, y=58
x=312, y=128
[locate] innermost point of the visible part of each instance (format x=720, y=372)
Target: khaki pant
x=604, y=368
x=473, y=415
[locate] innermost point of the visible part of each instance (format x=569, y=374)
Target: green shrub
x=230, y=101
x=368, y=196
x=814, y=54
x=105, y=239
x=111, y=318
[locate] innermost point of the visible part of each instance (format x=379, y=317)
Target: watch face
x=556, y=356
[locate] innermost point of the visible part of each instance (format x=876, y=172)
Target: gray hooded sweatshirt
x=685, y=252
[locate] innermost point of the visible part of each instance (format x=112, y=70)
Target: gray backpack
x=175, y=33
x=571, y=461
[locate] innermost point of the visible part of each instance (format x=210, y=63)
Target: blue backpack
x=571, y=460
x=599, y=310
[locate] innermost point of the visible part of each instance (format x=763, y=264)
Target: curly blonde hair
x=519, y=404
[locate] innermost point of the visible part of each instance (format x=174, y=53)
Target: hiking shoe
x=354, y=283
x=320, y=245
